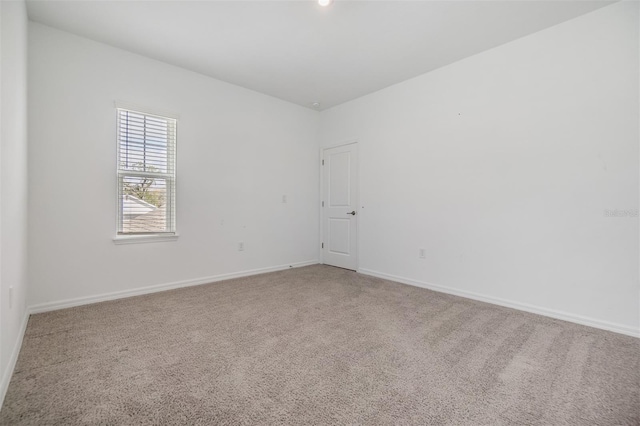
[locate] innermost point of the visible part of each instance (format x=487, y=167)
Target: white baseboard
x=69, y=303
x=578, y=319
x=8, y=372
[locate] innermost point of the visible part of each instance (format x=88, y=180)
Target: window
x=146, y=174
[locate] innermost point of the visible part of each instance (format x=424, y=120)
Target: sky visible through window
x=143, y=145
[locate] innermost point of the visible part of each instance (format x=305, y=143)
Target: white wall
x=13, y=183
x=239, y=152
x=501, y=166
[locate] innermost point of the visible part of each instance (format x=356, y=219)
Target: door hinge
x=322, y=245
x=323, y=162
x=323, y=204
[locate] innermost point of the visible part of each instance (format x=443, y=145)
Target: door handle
x=353, y=213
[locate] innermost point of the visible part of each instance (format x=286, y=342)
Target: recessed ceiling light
x=315, y=104
x=325, y=3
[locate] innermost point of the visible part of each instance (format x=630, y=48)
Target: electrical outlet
x=422, y=254
x=241, y=246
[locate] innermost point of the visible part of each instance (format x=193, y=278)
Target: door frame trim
x=354, y=141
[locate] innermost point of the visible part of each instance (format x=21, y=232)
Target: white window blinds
x=146, y=173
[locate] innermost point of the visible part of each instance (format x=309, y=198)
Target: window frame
x=170, y=233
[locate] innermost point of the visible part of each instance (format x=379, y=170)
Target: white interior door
x=340, y=206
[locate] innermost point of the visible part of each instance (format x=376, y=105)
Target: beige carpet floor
x=318, y=345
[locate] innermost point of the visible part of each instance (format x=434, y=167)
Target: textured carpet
x=318, y=345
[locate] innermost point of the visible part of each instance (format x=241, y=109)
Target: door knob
x=353, y=213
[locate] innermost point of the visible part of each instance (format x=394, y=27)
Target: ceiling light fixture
x=325, y=3
x=315, y=104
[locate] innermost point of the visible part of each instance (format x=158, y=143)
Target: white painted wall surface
x=13, y=183
x=501, y=167
x=239, y=152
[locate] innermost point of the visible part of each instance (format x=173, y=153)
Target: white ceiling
x=301, y=52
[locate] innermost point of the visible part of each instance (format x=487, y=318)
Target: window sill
x=140, y=239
